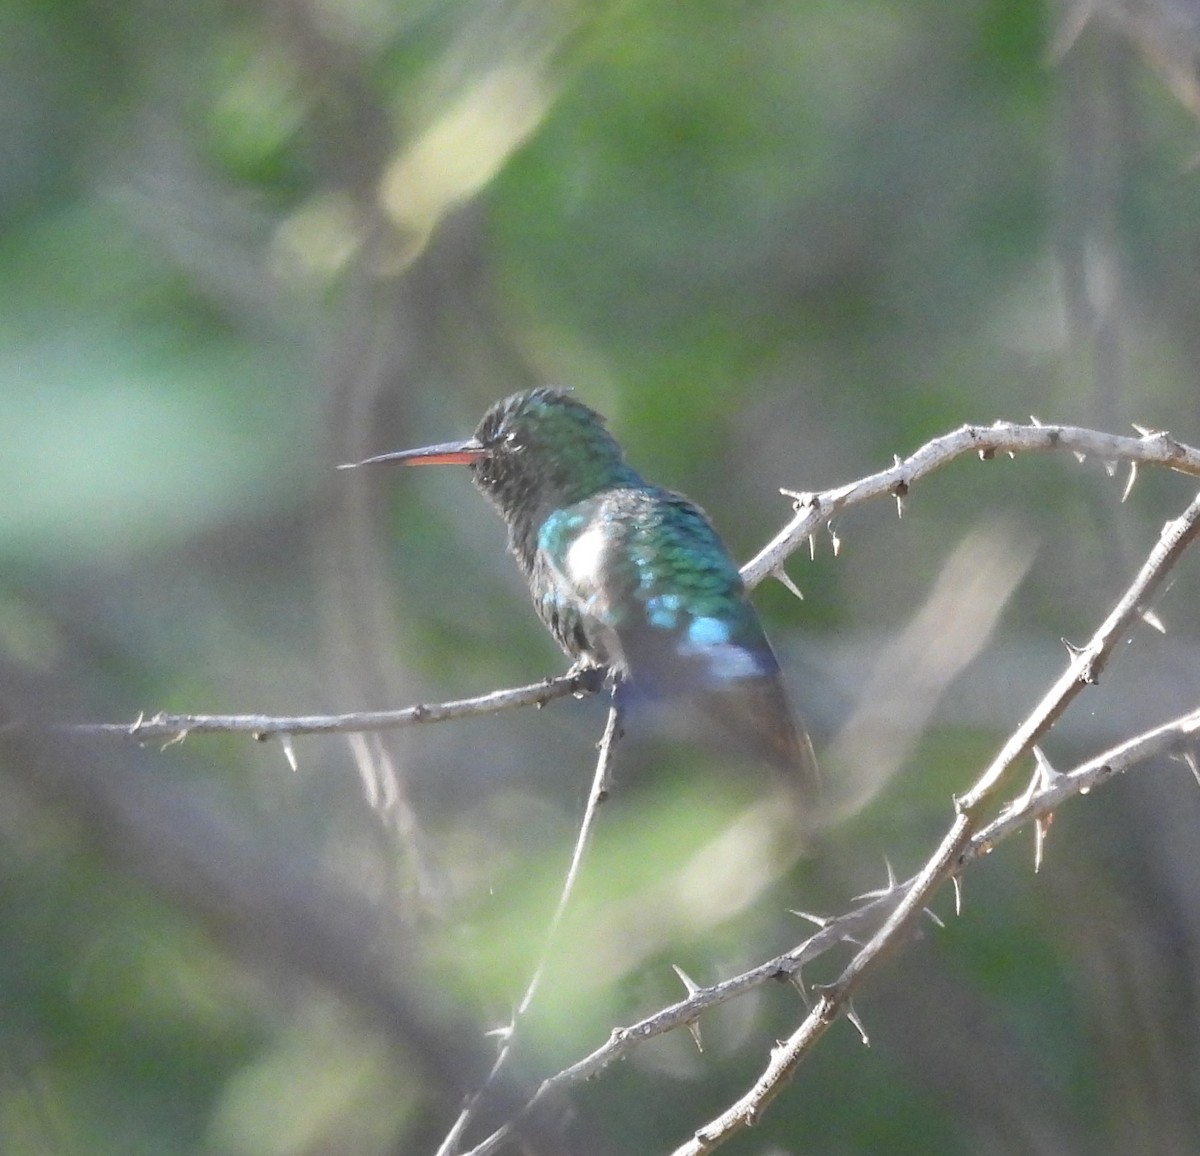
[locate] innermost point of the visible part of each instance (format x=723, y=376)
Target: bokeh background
x=774, y=242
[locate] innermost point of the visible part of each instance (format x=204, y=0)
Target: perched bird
x=628, y=575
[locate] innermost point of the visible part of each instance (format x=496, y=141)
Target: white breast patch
x=585, y=557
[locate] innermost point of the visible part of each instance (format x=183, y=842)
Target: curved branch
x=1153, y=447
x=946, y=862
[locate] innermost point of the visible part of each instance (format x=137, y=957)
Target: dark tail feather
x=756, y=715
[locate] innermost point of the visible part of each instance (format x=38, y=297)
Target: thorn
x=1037, y=421
x=780, y=574
x=1110, y=468
x=691, y=985
x=1080, y=457
x=1041, y=828
x=797, y=981
x=693, y=1026
x=812, y=547
x=837, y=542
x=174, y=741
x=1147, y=431
x=1129, y=484
x=137, y=723
x=957, y=881
x=1151, y=619
x=852, y=1016
x=1045, y=773
x=1088, y=674
x=1044, y=776
x=880, y=892
x=987, y=454
x=819, y=920
x=934, y=918
x=899, y=502
x=504, y=1032
x=1189, y=757
x=289, y=751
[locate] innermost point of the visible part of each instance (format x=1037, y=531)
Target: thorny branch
x=947, y=861
x=1152, y=447
x=1174, y=737
x=887, y=916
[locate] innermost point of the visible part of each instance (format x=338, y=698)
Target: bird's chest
x=573, y=582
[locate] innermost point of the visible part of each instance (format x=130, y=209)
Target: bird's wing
x=677, y=606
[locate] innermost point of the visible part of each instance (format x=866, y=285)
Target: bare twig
x=1083, y=669
x=174, y=727
x=596, y=796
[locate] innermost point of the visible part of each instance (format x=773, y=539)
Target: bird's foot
x=589, y=677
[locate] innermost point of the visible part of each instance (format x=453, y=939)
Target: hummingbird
x=627, y=575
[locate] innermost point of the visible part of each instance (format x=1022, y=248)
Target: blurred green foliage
x=776, y=243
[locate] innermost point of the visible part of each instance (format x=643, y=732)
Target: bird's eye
x=514, y=440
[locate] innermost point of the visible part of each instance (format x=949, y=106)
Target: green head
x=532, y=453
x=542, y=450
